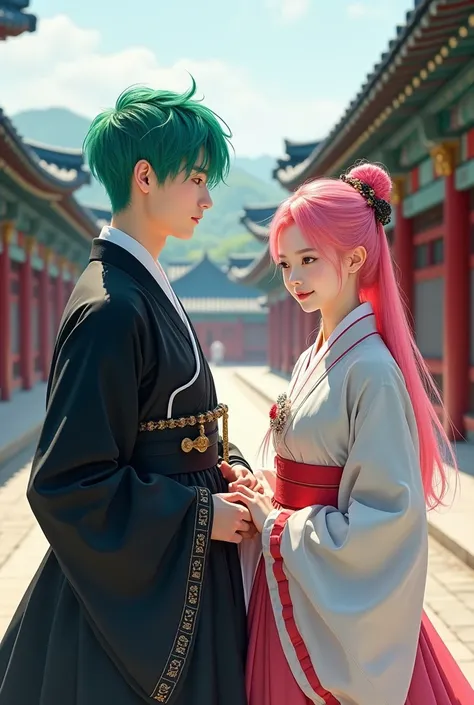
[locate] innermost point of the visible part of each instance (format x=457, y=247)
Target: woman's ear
x=357, y=259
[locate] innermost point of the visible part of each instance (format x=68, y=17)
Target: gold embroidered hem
x=201, y=442
x=186, y=630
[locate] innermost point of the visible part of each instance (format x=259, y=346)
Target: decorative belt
x=299, y=485
x=201, y=442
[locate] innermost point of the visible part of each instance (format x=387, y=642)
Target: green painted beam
x=427, y=197
x=17, y=254
x=464, y=178
x=37, y=263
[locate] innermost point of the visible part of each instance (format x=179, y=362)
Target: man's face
x=177, y=206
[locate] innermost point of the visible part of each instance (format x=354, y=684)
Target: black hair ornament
x=382, y=208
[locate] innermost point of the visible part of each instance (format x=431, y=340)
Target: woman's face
x=311, y=279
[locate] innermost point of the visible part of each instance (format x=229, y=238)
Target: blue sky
x=271, y=68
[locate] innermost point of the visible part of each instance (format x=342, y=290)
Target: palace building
x=414, y=114
x=45, y=238
x=220, y=309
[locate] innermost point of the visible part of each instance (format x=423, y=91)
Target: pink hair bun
x=375, y=177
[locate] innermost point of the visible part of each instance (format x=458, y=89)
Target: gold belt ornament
x=201, y=443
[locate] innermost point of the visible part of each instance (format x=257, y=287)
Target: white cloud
x=289, y=10
x=357, y=10
x=62, y=65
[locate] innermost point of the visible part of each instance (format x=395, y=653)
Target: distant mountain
x=261, y=167
x=249, y=183
x=54, y=126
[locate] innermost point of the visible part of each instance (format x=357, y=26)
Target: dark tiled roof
x=256, y=271
x=295, y=153
x=34, y=159
x=63, y=164
x=205, y=280
x=257, y=220
x=13, y=21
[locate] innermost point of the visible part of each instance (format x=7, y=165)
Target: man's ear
x=141, y=174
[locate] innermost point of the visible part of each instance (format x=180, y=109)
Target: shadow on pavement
x=17, y=463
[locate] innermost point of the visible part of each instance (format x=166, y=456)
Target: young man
x=140, y=598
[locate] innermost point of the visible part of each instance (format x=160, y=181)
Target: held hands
x=240, y=476
x=259, y=504
x=232, y=521
x=242, y=479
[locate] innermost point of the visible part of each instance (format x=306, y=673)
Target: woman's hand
x=259, y=504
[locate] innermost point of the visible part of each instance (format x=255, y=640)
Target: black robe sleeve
x=133, y=549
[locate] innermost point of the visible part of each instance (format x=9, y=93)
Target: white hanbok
x=345, y=577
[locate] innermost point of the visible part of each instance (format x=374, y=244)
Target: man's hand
x=260, y=506
x=238, y=476
x=231, y=521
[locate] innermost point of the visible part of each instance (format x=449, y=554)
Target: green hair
x=169, y=130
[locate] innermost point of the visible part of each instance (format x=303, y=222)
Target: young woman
x=336, y=610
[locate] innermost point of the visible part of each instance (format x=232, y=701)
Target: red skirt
x=436, y=680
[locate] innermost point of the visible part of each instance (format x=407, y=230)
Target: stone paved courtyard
x=450, y=588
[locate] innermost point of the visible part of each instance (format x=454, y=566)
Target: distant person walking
x=217, y=352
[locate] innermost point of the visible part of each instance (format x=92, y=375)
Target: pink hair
x=335, y=218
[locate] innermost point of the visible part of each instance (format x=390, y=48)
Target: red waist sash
x=299, y=485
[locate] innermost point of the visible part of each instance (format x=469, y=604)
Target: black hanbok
x=133, y=603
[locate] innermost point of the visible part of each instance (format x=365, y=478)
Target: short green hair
x=169, y=130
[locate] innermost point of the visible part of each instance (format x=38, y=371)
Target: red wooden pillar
x=45, y=318
x=6, y=368
x=456, y=326
x=239, y=354
x=59, y=293
x=26, y=330
x=403, y=248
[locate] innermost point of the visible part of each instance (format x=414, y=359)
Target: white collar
x=313, y=358
x=360, y=311
x=119, y=237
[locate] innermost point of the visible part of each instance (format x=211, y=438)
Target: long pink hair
x=335, y=218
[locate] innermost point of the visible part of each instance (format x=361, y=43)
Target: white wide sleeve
x=347, y=585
